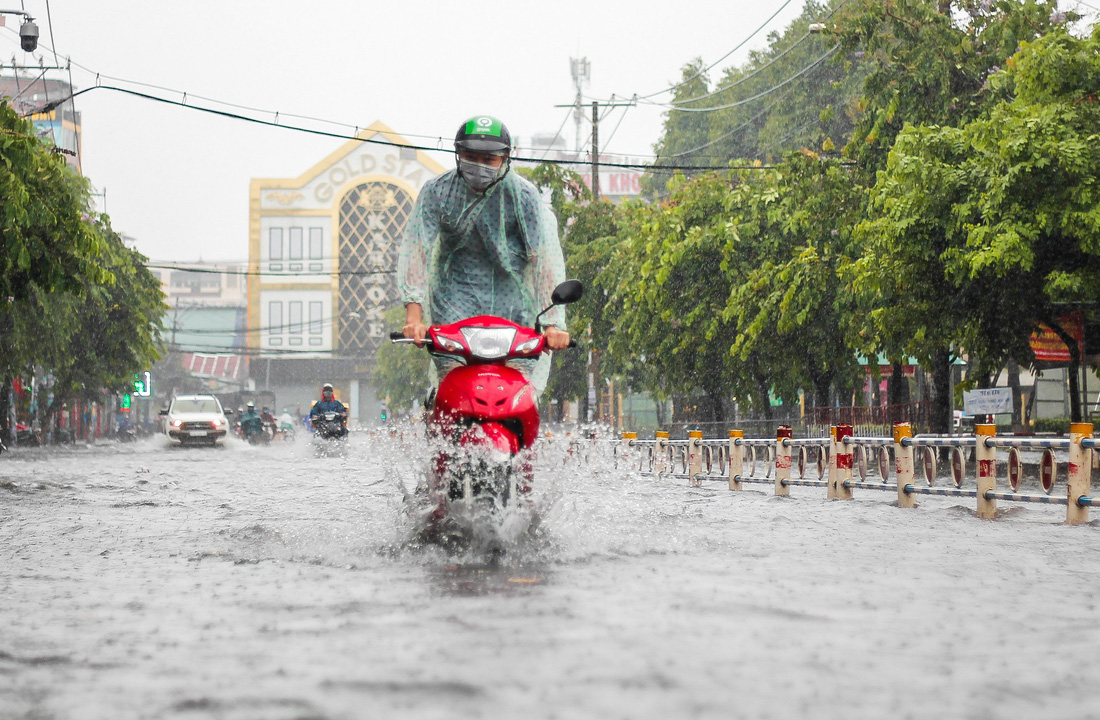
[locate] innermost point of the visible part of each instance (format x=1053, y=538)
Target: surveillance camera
x=28, y=36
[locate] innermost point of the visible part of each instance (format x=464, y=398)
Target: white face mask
x=479, y=176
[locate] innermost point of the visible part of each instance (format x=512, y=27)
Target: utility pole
x=582, y=72
x=595, y=152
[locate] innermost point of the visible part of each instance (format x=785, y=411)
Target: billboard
x=1048, y=346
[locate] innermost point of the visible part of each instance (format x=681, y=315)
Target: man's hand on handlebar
x=556, y=339
x=415, y=328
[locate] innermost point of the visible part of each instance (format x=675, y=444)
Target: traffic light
x=126, y=402
x=385, y=413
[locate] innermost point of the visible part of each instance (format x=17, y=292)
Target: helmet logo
x=483, y=125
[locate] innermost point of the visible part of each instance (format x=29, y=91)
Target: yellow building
x=322, y=260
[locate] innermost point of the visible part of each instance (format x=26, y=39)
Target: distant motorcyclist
x=328, y=403
x=268, y=418
x=125, y=431
x=252, y=425
x=286, y=423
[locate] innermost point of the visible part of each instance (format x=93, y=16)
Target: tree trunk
x=897, y=393
x=5, y=409
x=1017, y=399
x=762, y=388
x=714, y=406
x=823, y=384
x=1074, y=367
x=943, y=393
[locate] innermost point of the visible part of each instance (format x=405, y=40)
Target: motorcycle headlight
x=489, y=343
x=448, y=344
x=528, y=346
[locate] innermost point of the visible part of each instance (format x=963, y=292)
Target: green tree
x=117, y=327
x=401, y=373
x=984, y=229
x=928, y=61
x=44, y=240
x=790, y=304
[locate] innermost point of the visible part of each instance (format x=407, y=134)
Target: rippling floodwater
x=139, y=581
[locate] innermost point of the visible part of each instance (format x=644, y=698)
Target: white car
x=195, y=420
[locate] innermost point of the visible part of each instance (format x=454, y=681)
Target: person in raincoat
x=482, y=242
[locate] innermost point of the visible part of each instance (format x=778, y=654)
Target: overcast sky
x=177, y=180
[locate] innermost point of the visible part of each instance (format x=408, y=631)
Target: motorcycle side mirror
x=567, y=292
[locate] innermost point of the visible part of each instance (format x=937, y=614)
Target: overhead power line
x=713, y=64
x=763, y=93
x=373, y=141
x=271, y=273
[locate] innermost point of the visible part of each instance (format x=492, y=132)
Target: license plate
x=197, y=433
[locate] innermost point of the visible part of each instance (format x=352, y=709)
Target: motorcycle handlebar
x=400, y=337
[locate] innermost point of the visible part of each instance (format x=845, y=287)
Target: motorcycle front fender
x=492, y=435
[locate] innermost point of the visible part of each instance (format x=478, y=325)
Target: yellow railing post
x=843, y=462
x=627, y=447
x=660, y=447
x=782, y=460
x=695, y=458
x=987, y=470
x=834, y=454
x=903, y=464
x=736, y=459
x=1080, y=472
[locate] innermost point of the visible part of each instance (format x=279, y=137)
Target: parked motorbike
x=484, y=420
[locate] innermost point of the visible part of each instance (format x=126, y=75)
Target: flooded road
x=140, y=581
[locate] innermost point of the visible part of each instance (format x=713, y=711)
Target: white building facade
x=322, y=260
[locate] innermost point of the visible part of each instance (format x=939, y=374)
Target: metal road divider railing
x=842, y=454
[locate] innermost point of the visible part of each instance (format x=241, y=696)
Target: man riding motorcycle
x=328, y=403
x=269, y=421
x=252, y=425
x=482, y=242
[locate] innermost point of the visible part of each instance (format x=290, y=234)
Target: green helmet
x=484, y=133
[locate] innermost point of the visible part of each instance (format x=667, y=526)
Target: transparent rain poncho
x=495, y=253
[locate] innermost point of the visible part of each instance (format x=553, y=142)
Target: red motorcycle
x=485, y=418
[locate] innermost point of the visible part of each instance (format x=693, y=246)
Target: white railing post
x=660, y=447
x=903, y=464
x=782, y=460
x=1080, y=473
x=736, y=459
x=695, y=458
x=987, y=470
x=843, y=462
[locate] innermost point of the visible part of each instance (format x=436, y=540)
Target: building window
x=275, y=318
x=295, y=320
x=275, y=244
x=315, y=318
x=295, y=243
x=315, y=244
